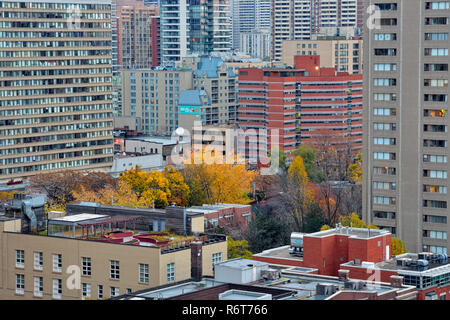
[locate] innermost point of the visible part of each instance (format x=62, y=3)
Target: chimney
x=396, y=281
x=196, y=261
x=343, y=275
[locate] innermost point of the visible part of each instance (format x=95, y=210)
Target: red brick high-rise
x=305, y=104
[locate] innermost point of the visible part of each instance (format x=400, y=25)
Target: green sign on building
x=189, y=110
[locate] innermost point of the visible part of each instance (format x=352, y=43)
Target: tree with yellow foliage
x=356, y=169
x=211, y=182
x=397, y=246
x=296, y=192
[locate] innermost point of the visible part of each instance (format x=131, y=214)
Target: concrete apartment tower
x=55, y=86
x=405, y=175
x=302, y=19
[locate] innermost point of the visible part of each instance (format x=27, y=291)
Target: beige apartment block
x=55, y=86
x=159, y=97
x=405, y=167
x=152, y=96
x=45, y=267
x=343, y=55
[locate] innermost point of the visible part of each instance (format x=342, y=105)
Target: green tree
x=309, y=157
x=238, y=249
x=265, y=232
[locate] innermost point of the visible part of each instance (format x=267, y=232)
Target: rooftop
x=424, y=264
x=358, y=233
x=279, y=253
x=291, y=285
x=78, y=218
x=164, y=140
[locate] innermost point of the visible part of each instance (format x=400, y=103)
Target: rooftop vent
x=419, y=265
x=325, y=289
x=354, y=285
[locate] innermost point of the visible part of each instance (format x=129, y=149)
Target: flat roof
x=362, y=233
x=279, y=253
x=433, y=269
x=241, y=263
x=161, y=140
x=78, y=218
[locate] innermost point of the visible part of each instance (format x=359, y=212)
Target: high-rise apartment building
x=194, y=27
x=257, y=43
x=55, y=86
x=406, y=122
x=248, y=15
x=134, y=34
x=203, y=89
x=306, y=104
x=301, y=19
x=335, y=52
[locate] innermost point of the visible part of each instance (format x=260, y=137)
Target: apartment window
x=57, y=288
x=436, y=67
x=435, y=174
x=435, y=204
x=20, y=284
x=437, y=5
x=385, y=67
x=385, y=171
x=379, y=126
x=38, y=260
x=143, y=273
x=435, y=189
x=385, y=52
x=435, y=219
x=129, y=291
x=216, y=258
x=114, y=269
x=386, y=6
x=384, y=82
x=441, y=235
x=86, y=266
x=171, y=272
x=436, y=36
x=435, y=83
x=385, y=36
x=384, y=112
x=384, y=185
x=385, y=97
x=384, y=156
x=384, y=141
x=435, y=113
x=38, y=286
x=100, y=291
x=57, y=262
x=384, y=200
x=436, y=52
x=434, y=158
x=20, y=258
x=114, y=291
x=436, y=21
x=85, y=291
x=438, y=249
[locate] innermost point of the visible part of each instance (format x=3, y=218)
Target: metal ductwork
x=26, y=209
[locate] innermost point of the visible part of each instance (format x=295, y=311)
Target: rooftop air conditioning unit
x=270, y=274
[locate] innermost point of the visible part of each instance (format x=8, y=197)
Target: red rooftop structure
x=327, y=250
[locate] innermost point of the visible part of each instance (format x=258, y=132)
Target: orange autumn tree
x=214, y=181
